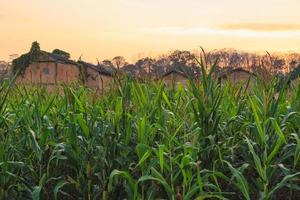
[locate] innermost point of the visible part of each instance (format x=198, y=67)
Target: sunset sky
x=134, y=28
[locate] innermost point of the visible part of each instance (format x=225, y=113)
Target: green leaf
x=124, y=174
x=166, y=100
x=142, y=130
x=258, y=122
x=282, y=183
x=161, y=157
x=36, y=145
x=58, y=187
x=258, y=164
x=280, y=141
x=297, y=150
x=158, y=178
x=79, y=103
x=36, y=193
x=145, y=156
x=83, y=125
x=242, y=183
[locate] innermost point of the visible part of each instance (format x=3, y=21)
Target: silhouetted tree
x=119, y=61
x=182, y=58
x=278, y=64
x=34, y=51
x=131, y=69
x=145, y=65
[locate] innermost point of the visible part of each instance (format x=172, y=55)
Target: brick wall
x=49, y=73
x=98, y=81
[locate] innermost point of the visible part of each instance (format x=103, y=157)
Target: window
x=46, y=70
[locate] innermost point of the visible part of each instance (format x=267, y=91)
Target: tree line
x=185, y=61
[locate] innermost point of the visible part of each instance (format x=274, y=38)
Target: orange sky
x=134, y=28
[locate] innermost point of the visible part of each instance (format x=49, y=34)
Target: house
x=294, y=82
x=49, y=70
x=97, y=77
x=235, y=76
x=294, y=76
x=39, y=67
x=175, y=76
x=4, y=70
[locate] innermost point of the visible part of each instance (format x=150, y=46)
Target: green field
x=146, y=141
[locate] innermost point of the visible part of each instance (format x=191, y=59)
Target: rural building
x=295, y=82
x=97, y=77
x=236, y=75
x=294, y=76
x=4, y=70
x=50, y=70
x=175, y=77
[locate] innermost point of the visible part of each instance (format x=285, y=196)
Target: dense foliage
x=146, y=141
x=61, y=53
x=20, y=64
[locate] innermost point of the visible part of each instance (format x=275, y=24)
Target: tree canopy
x=20, y=64
x=61, y=53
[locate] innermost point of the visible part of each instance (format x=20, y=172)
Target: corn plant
x=149, y=141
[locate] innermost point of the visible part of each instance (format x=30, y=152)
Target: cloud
x=261, y=27
x=236, y=31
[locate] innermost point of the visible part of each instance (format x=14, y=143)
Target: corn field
x=149, y=141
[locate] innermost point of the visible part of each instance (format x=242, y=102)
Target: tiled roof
x=50, y=57
x=184, y=71
x=99, y=68
x=226, y=71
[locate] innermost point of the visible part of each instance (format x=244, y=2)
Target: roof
x=175, y=72
x=99, y=68
x=295, y=73
x=50, y=57
x=183, y=71
x=227, y=71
